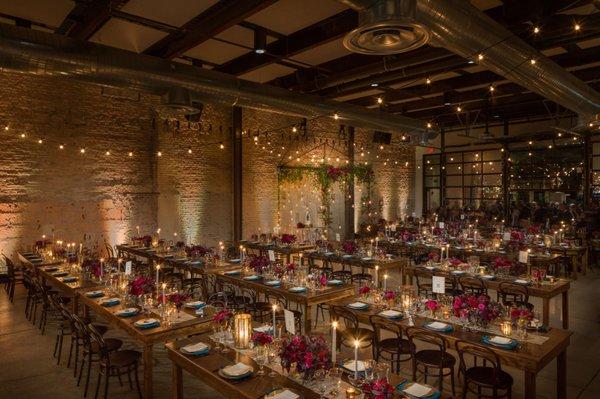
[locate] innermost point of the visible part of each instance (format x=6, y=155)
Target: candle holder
x=243, y=330
x=506, y=328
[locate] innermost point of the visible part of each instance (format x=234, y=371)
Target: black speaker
x=382, y=137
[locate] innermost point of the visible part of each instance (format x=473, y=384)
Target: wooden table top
x=280, y=248
x=528, y=356
x=72, y=288
x=546, y=290
x=327, y=294
x=206, y=368
x=384, y=264
x=30, y=260
x=150, y=335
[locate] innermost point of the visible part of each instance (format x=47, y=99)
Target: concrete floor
x=27, y=369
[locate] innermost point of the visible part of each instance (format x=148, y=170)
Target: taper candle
x=333, y=342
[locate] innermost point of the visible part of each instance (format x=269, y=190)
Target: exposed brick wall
x=71, y=195
x=46, y=190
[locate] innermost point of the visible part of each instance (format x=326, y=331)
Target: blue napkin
x=510, y=346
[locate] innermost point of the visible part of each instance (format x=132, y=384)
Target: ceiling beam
x=86, y=18
x=314, y=35
x=211, y=22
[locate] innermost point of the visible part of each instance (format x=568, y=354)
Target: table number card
x=337, y=237
x=128, y=265
x=523, y=256
x=439, y=284
x=290, y=324
x=441, y=225
x=506, y=236
x=271, y=255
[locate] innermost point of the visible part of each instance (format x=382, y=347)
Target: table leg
x=574, y=265
x=561, y=375
x=307, y=319
x=75, y=304
x=177, y=382
x=529, y=385
x=148, y=367
x=565, y=309
x=546, y=311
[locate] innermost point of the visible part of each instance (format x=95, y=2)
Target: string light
x=189, y=150
x=107, y=153
x=159, y=153
x=536, y=29
x=82, y=150
x=22, y=135
x=428, y=81
x=293, y=130
x=533, y=61
x=458, y=109
x=222, y=146
x=130, y=153
x=61, y=147
x=40, y=141
x=480, y=57
x=6, y=128
x=428, y=125
x=492, y=88
x=379, y=100
x=336, y=116
x=577, y=27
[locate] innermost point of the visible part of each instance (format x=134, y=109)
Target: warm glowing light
x=22, y=135
x=532, y=61
x=492, y=88
x=189, y=151
x=336, y=116
x=82, y=150
x=428, y=81
x=577, y=27
x=458, y=109
x=107, y=153
x=61, y=147
x=130, y=153
x=379, y=100
x=159, y=153
x=40, y=141
x=536, y=29
x=428, y=125
x=480, y=57
x=221, y=146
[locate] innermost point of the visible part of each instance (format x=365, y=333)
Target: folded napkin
x=145, y=322
x=263, y=329
x=298, y=289
x=418, y=390
x=94, y=293
x=367, y=258
x=357, y=305
x=235, y=260
x=273, y=282
x=436, y=325
x=252, y=277
x=390, y=313
x=195, y=304
x=335, y=282
x=500, y=340
x=236, y=370
x=287, y=394
x=193, y=348
x=231, y=272
x=488, y=276
x=520, y=281
x=353, y=365
x=111, y=300
x=127, y=311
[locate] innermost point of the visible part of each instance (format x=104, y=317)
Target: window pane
x=433, y=181
x=596, y=163
x=492, y=180
x=432, y=170
x=454, y=192
x=453, y=157
x=492, y=167
x=493, y=155
x=453, y=169
x=473, y=168
x=472, y=180
x=454, y=180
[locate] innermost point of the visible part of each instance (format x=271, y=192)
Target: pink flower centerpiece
x=389, y=295
x=432, y=306
x=178, y=299
x=92, y=266
x=196, y=251
x=261, y=338
x=222, y=317
x=141, y=285
x=378, y=389
x=306, y=353
x=480, y=308
x=288, y=239
x=433, y=256
x=364, y=291
x=349, y=247
x=259, y=263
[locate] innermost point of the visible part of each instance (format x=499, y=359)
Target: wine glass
x=215, y=337
x=260, y=357
x=272, y=351
x=322, y=382
x=369, y=369
x=335, y=377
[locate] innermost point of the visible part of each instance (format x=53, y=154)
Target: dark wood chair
x=513, y=295
x=438, y=359
x=487, y=377
x=472, y=285
x=350, y=329
x=114, y=363
x=395, y=349
x=282, y=303
x=423, y=279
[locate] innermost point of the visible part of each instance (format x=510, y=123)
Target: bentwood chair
x=395, y=349
x=438, y=359
x=486, y=381
x=424, y=285
x=350, y=329
x=114, y=363
x=281, y=301
x=513, y=295
x=472, y=285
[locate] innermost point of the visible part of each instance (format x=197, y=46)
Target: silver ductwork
x=465, y=30
x=28, y=51
x=387, y=27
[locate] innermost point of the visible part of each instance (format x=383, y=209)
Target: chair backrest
x=218, y=299
x=512, y=294
x=380, y=323
x=278, y=299
x=96, y=337
x=472, y=285
x=344, y=316
x=478, y=352
x=430, y=337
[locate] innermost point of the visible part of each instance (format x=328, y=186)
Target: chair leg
x=464, y=390
x=56, y=343
x=107, y=374
x=89, y=371
x=70, y=352
x=137, y=381
x=120, y=380
x=80, y=368
x=98, y=382
x=452, y=382
x=129, y=370
x=441, y=382
x=60, y=345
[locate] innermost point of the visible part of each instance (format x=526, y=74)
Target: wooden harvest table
x=30, y=260
x=529, y=357
x=206, y=369
x=544, y=291
x=147, y=337
x=357, y=261
x=307, y=299
x=285, y=250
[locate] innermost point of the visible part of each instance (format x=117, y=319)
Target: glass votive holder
x=506, y=328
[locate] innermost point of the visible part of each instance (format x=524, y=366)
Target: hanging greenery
x=325, y=176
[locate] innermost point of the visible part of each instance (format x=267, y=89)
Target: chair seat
x=112, y=344
x=395, y=345
x=124, y=358
x=485, y=376
x=432, y=358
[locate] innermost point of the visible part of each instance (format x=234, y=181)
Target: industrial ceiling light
x=260, y=41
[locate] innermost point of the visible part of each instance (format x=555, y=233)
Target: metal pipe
x=27, y=51
x=467, y=31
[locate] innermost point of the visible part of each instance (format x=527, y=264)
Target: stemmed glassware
x=322, y=382
x=335, y=378
x=260, y=357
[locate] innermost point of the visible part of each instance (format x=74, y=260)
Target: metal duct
x=34, y=52
x=462, y=28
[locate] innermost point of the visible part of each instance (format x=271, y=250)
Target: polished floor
x=27, y=369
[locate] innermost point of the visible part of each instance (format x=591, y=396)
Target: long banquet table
x=307, y=299
x=357, y=261
x=530, y=358
x=147, y=338
x=545, y=291
x=284, y=250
